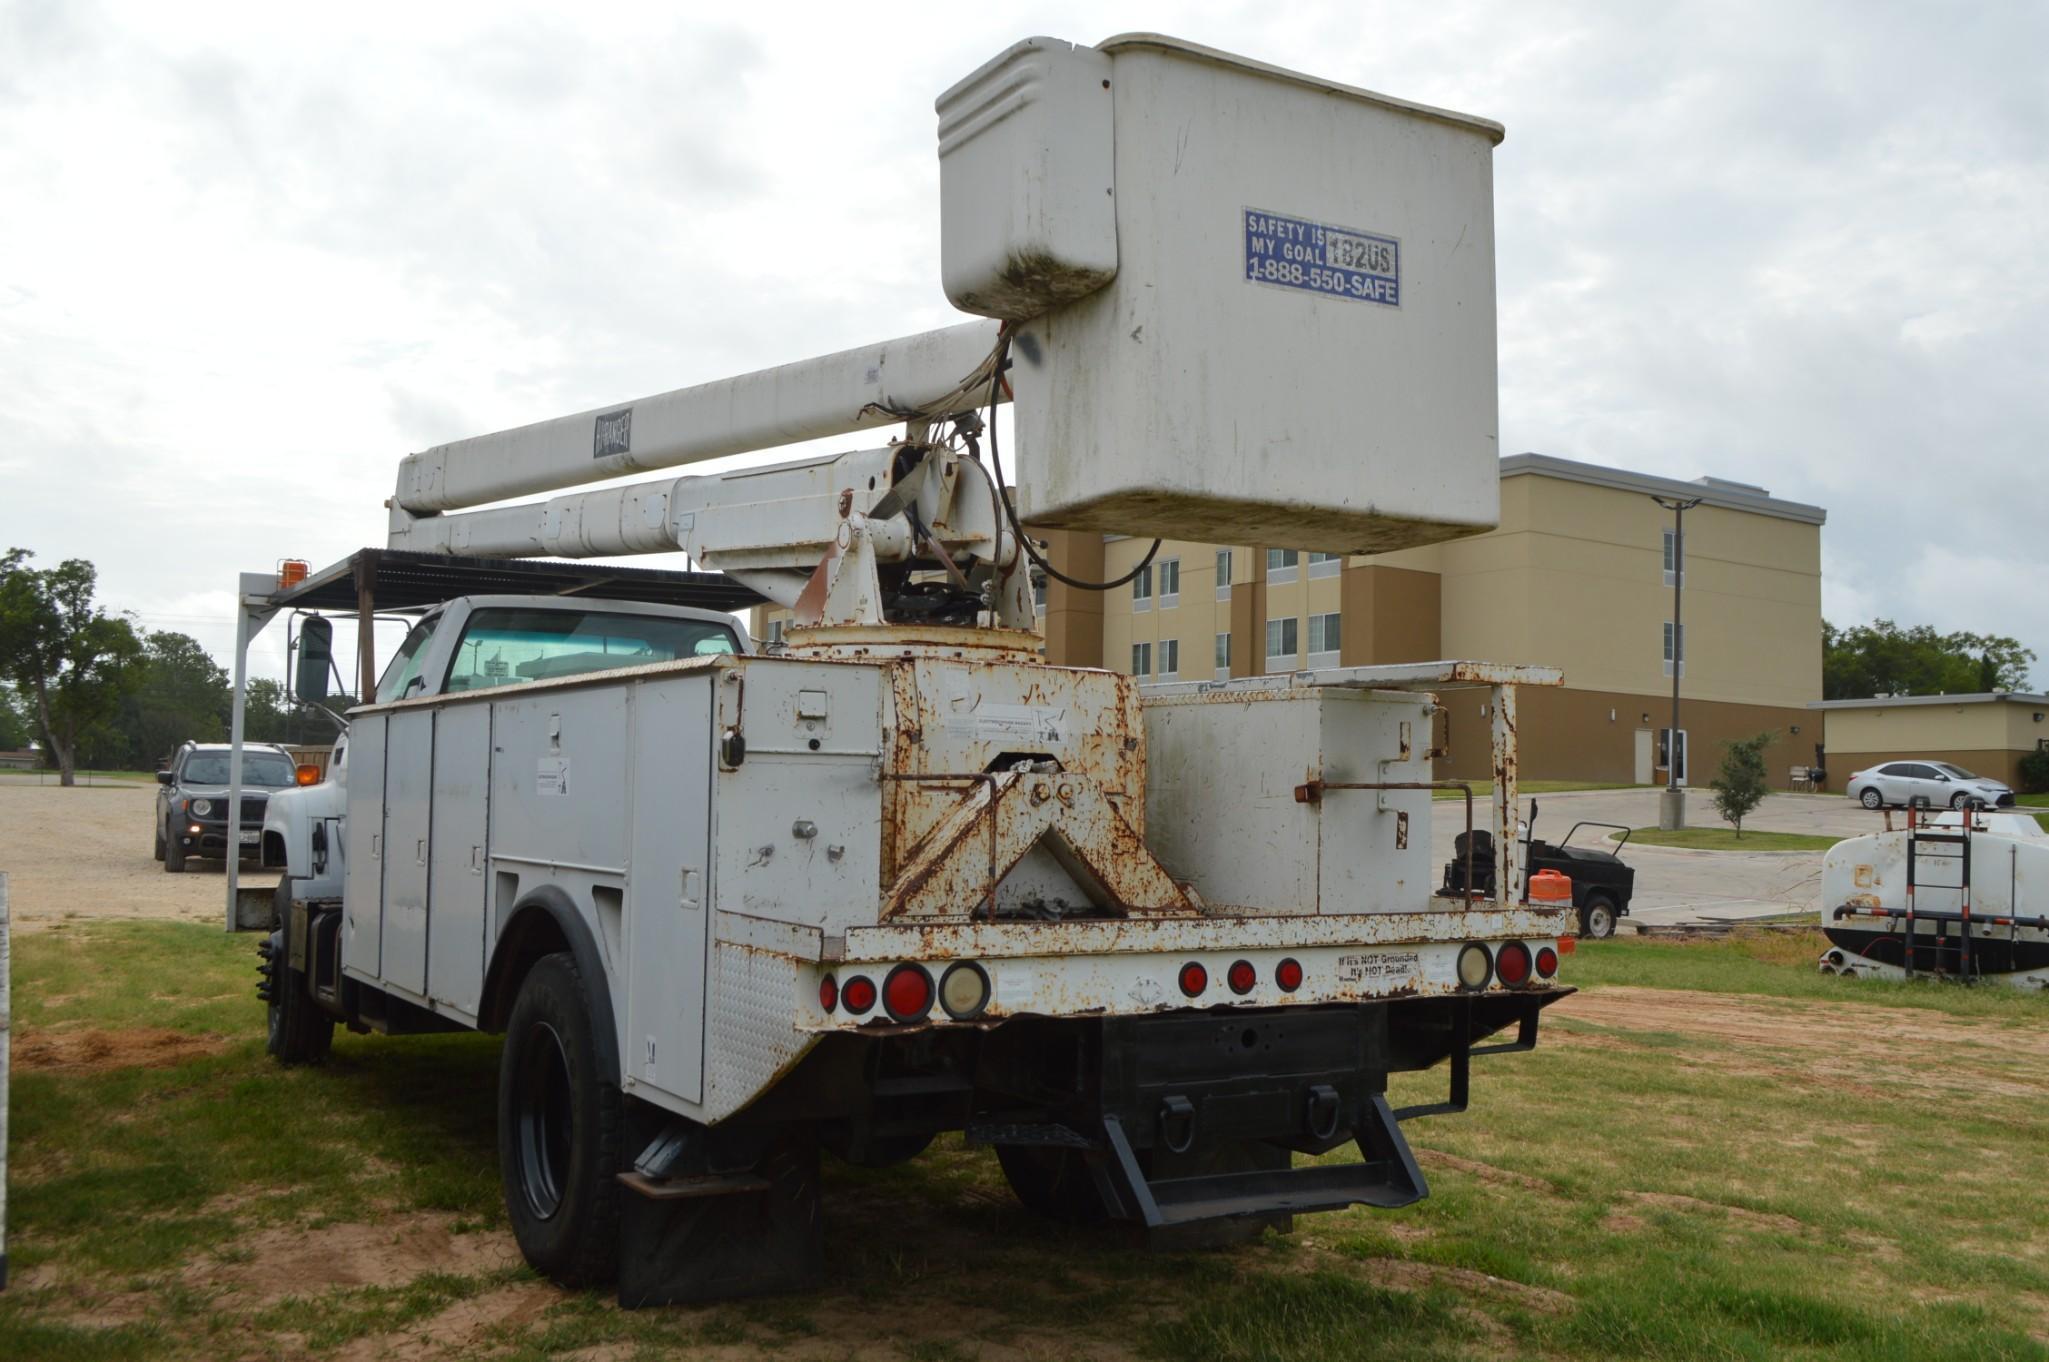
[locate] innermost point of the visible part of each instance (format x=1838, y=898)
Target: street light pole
x=1672, y=803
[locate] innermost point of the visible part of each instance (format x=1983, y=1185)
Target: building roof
x=1888, y=701
x=1733, y=496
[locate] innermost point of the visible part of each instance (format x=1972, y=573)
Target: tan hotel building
x=1578, y=575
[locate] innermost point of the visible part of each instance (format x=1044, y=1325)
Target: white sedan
x=1937, y=784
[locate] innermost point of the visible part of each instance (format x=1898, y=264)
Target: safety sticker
x=551, y=776
x=1343, y=262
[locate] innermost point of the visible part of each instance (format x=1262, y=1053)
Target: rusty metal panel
x=1226, y=765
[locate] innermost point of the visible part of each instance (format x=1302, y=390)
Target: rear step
x=1386, y=1176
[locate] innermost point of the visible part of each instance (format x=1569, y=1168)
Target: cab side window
x=508, y=646
x=404, y=668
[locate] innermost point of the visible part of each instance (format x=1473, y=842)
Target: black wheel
x=1871, y=798
x=558, y=1130
x=882, y=1151
x=1597, y=916
x=1055, y=1183
x=160, y=842
x=298, y=1031
x=174, y=855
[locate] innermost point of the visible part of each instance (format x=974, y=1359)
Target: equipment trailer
x=905, y=876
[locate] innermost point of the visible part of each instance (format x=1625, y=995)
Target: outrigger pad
x=692, y=1248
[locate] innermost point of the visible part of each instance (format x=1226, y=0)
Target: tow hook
x=1324, y=1109
x=1177, y=1124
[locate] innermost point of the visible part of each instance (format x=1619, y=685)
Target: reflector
x=1241, y=976
x=857, y=995
x=1194, y=979
x=1288, y=974
x=1512, y=963
x=907, y=993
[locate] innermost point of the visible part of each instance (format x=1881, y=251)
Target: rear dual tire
x=559, y=1130
x=297, y=1031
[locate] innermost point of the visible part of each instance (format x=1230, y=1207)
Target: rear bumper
x=1133, y=966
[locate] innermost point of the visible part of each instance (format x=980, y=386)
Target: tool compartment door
x=456, y=859
x=408, y=829
x=363, y=864
x=668, y=890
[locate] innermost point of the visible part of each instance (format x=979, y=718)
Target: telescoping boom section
x=733, y=906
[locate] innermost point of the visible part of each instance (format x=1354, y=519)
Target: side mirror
x=316, y=654
x=164, y=777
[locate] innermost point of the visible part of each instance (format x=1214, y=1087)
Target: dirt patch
x=141, y=1047
x=1675, y=1201
x=462, y=1330
x=1399, y=1275
x=1486, y=1172
x=297, y=1260
x=1918, y=1051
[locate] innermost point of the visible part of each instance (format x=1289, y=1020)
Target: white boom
x=870, y=385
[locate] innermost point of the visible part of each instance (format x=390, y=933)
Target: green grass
x=84, y=778
x=1725, y=839
x=1633, y=1188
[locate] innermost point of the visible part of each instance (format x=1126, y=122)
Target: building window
x=1326, y=565
x=1039, y=592
x=1673, y=567
x=1669, y=650
x=1223, y=574
x=1142, y=589
x=1141, y=659
x=1170, y=582
x=1325, y=635
x=775, y=632
x=1170, y=658
x=1280, y=565
x=1223, y=656
x=1283, y=644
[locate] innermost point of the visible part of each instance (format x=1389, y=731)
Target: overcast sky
x=250, y=255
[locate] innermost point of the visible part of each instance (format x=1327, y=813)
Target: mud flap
x=687, y=1240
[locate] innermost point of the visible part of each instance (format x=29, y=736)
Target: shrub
x=2035, y=772
x=1740, y=785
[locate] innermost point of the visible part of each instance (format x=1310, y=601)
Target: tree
x=71, y=660
x=184, y=695
x=14, y=729
x=1881, y=658
x=1740, y=785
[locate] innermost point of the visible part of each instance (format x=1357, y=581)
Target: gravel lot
x=85, y=853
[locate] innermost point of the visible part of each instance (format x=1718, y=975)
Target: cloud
x=252, y=255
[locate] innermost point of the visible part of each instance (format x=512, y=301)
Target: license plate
x=252, y=837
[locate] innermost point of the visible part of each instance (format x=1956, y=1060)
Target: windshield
x=1954, y=772
x=267, y=770
x=507, y=647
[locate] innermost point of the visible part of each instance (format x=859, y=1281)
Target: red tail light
x=1547, y=961
x=1241, y=976
x=907, y=993
x=1288, y=974
x=1194, y=979
x=828, y=993
x=857, y=995
x=1512, y=964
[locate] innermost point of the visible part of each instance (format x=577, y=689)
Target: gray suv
x=192, y=801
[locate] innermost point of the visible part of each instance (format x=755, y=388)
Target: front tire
x=298, y=1032
x=1597, y=918
x=159, y=854
x=174, y=855
x=1960, y=800
x=1871, y=798
x=558, y=1130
